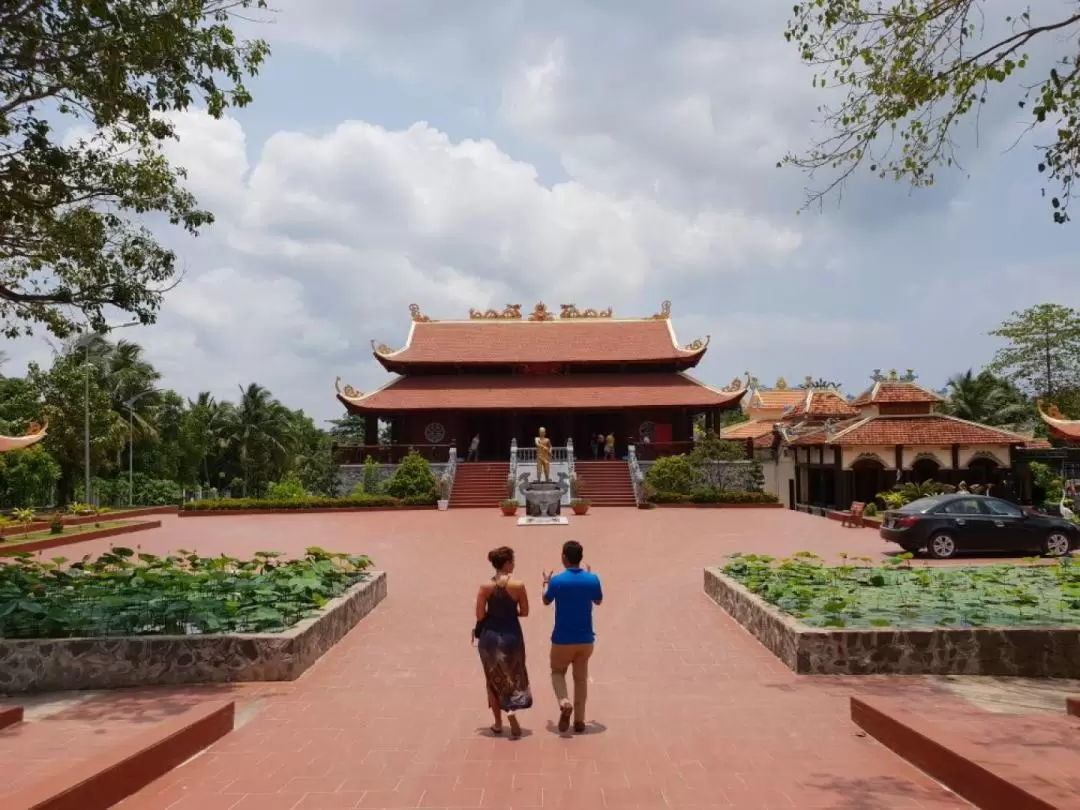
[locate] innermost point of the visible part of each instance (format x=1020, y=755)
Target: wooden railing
x=390, y=453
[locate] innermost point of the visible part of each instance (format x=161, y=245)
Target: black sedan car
x=947, y=524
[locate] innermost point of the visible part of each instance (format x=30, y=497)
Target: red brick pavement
x=688, y=710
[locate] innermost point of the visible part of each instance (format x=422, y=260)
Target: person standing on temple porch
x=474, y=449
x=609, y=447
x=595, y=445
x=599, y=445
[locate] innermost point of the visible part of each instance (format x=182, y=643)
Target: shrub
x=238, y=504
x=371, y=482
x=288, y=488
x=673, y=475
x=713, y=495
x=442, y=487
x=413, y=478
x=56, y=525
x=580, y=502
x=507, y=503
x=871, y=510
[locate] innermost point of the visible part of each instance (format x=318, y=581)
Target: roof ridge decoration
x=417, y=315
x=347, y=390
x=664, y=313
x=541, y=313
x=380, y=348
x=781, y=384
x=570, y=311
x=698, y=345
x=512, y=312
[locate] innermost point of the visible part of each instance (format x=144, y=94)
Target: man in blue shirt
x=574, y=593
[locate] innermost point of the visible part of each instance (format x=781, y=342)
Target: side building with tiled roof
x=845, y=451
x=502, y=375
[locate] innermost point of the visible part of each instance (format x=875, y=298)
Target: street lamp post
x=86, y=420
x=131, y=442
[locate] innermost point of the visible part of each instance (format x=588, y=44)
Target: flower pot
x=443, y=505
x=580, y=509
x=509, y=511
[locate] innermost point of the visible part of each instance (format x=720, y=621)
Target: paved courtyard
x=688, y=710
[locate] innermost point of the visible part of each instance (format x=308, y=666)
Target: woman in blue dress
x=500, y=606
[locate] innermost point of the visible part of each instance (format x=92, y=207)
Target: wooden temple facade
x=501, y=375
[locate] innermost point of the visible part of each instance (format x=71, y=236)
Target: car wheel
x=941, y=546
x=1056, y=544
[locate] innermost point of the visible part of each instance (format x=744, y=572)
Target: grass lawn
x=82, y=528
x=861, y=595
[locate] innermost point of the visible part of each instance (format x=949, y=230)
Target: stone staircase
x=479, y=484
x=605, y=483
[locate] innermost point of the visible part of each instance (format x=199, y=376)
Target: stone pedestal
x=543, y=504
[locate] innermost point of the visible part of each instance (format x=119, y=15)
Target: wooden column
x=843, y=492
x=371, y=429
x=899, y=461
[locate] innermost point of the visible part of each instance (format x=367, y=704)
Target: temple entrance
x=925, y=469
x=867, y=480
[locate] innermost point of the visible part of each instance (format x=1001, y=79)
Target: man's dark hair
x=573, y=552
x=500, y=556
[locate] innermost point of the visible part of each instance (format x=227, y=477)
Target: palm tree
x=987, y=399
x=259, y=429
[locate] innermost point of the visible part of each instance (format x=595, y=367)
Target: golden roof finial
x=381, y=348
x=417, y=315
x=781, y=384
x=347, y=391
x=893, y=376
x=664, y=313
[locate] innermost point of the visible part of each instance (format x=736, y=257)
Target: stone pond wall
x=45, y=665
x=1039, y=652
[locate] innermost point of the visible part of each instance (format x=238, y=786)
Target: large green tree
x=71, y=245
x=1042, y=351
x=988, y=400
x=906, y=73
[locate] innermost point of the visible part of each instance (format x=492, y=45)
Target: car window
x=1002, y=508
x=922, y=505
x=963, y=506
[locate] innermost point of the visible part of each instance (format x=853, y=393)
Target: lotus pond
x=126, y=593
x=859, y=594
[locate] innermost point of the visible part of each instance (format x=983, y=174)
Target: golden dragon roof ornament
x=347, y=390
x=570, y=311
x=512, y=312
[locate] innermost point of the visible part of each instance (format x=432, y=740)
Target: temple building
x=845, y=451
x=501, y=375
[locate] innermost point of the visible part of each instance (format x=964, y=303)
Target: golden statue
x=543, y=456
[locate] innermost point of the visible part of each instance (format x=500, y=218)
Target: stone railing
x=512, y=495
x=390, y=453
x=637, y=477
x=570, y=456
x=451, y=472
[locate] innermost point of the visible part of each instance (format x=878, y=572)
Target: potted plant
x=580, y=505
x=56, y=525
x=509, y=507
x=442, y=491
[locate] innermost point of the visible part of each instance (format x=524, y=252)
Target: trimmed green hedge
x=713, y=496
x=361, y=501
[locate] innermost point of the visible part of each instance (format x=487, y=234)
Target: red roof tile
x=1037, y=444
x=483, y=392
x=600, y=340
x=895, y=391
x=753, y=429
x=921, y=429
x=817, y=404
x=776, y=400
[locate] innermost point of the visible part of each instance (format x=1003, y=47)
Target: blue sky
x=601, y=153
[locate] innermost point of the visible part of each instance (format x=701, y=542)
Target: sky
x=596, y=152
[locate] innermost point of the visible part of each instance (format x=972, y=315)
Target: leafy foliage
x=288, y=488
x=1042, y=354
x=124, y=593
x=28, y=476
x=857, y=594
x=907, y=72
x=912, y=491
x=711, y=495
x=412, y=478
x=310, y=502
x=672, y=474
x=1044, y=477
x=69, y=251
x=988, y=400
